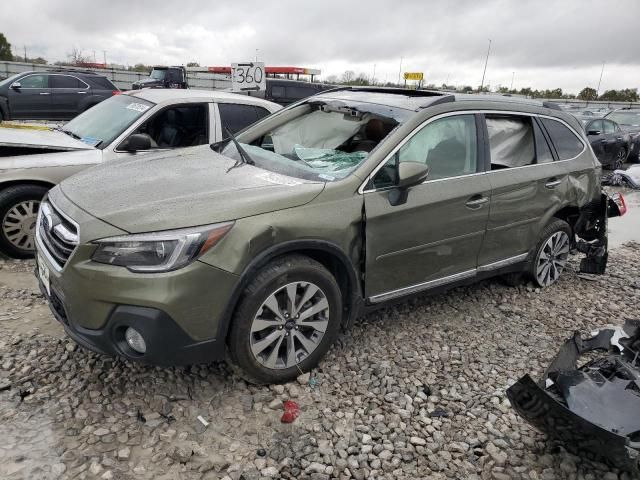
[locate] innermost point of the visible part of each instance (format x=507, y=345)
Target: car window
x=178, y=127
x=543, y=151
x=511, y=141
x=277, y=91
x=448, y=146
x=236, y=117
x=595, y=126
x=65, y=81
x=34, y=81
x=102, y=82
x=300, y=92
x=262, y=112
x=567, y=144
x=609, y=127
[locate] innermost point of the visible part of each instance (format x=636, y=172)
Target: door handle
x=553, y=183
x=476, y=203
x=45, y=93
x=82, y=93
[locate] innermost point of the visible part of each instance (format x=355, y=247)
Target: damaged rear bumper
x=594, y=408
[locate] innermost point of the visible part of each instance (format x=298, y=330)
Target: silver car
x=137, y=122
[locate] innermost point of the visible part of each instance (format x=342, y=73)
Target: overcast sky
x=546, y=43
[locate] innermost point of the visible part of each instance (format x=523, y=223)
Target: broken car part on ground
x=592, y=407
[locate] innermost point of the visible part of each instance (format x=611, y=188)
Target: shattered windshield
x=322, y=140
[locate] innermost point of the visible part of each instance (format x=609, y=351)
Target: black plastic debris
x=592, y=406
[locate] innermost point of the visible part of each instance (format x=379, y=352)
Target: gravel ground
x=416, y=390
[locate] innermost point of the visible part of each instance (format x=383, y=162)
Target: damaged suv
x=265, y=245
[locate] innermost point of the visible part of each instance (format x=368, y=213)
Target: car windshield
x=625, y=118
x=158, y=74
x=9, y=80
x=321, y=140
x=101, y=124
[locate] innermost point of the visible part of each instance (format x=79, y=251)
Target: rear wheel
x=286, y=321
x=19, y=207
x=552, y=253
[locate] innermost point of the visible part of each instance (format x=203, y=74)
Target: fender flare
x=355, y=301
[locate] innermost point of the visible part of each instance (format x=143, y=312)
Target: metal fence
x=121, y=78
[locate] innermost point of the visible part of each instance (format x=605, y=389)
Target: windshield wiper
x=244, y=156
x=69, y=132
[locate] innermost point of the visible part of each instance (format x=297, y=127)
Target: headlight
x=159, y=251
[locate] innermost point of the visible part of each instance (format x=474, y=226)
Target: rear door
x=32, y=99
x=433, y=237
x=67, y=93
x=615, y=141
x=524, y=181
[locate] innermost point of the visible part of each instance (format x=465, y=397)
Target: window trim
x=68, y=88
x=361, y=189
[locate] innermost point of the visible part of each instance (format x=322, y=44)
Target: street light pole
x=512, y=77
x=257, y=54
x=485, y=65
x=400, y=71
x=599, y=81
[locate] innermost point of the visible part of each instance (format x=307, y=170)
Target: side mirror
x=412, y=173
x=409, y=174
x=136, y=142
x=593, y=132
x=16, y=86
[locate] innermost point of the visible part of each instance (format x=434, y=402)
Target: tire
x=621, y=157
x=552, y=253
x=262, y=350
x=19, y=206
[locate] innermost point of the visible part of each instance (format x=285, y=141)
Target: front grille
x=58, y=234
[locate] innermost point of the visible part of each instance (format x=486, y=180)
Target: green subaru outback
x=261, y=247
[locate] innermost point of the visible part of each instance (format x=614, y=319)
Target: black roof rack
x=74, y=70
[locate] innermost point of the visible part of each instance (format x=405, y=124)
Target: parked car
x=286, y=92
x=164, y=77
x=54, y=95
x=309, y=218
x=123, y=127
x=610, y=143
x=629, y=120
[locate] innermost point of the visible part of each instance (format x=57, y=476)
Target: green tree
x=625, y=95
x=5, y=48
x=588, y=93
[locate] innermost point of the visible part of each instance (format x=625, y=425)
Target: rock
x=304, y=378
x=498, y=456
x=124, y=453
x=270, y=472
x=417, y=441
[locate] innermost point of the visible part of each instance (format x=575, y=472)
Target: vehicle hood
x=182, y=189
x=40, y=138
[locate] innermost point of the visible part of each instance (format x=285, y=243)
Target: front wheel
x=286, y=321
x=19, y=207
x=621, y=157
x=552, y=253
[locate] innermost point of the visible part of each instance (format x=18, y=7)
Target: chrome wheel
x=552, y=258
x=289, y=325
x=19, y=224
x=620, y=158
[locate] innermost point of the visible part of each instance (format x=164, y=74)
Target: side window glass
x=448, y=146
x=277, y=91
x=511, y=141
x=64, y=81
x=236, y=117
x=34, y=81
x=178, y=127
x=609, y=127
x=262, y=112
x=543, y=152
x=595, y=126
x=567, y=144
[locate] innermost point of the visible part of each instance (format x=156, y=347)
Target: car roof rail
x=73, y=70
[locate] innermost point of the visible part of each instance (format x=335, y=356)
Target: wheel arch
x=38, y=183
x=328, y=254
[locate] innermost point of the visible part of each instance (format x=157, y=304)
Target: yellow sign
x=413, y=76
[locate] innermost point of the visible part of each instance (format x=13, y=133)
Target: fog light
x=135, y=340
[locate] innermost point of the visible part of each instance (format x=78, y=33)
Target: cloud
x=546, y=42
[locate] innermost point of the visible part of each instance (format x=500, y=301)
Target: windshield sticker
x=327, y=177
x=90, y=141
x=277, y=179
x=138, y=107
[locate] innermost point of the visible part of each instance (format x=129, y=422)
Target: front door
x=32, y=99
x=433, y=237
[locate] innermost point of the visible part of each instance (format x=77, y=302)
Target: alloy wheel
x=552, y=258
x=620, y=158
x=289, y=325
x=19, y=224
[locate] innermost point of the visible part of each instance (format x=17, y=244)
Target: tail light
x=115, y=92
x=617, y=206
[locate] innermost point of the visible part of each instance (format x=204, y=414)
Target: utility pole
x=599, y=81
x=104, y=58
x=94, y=56
x=373, y=77
x=400, y=71
x=485, y=65
x=446, y=82
x=257, y=54
x=512, y=76
x=25, y=53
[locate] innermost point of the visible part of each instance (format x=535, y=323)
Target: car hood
x=147, y=82
x=182, y=189
x=40, y=138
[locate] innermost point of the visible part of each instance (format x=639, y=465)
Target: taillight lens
x=116, y=92
x=618, y=199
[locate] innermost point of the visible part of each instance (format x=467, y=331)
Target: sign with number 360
x=248, y=77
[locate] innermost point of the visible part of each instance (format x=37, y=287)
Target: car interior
x=177, y=127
